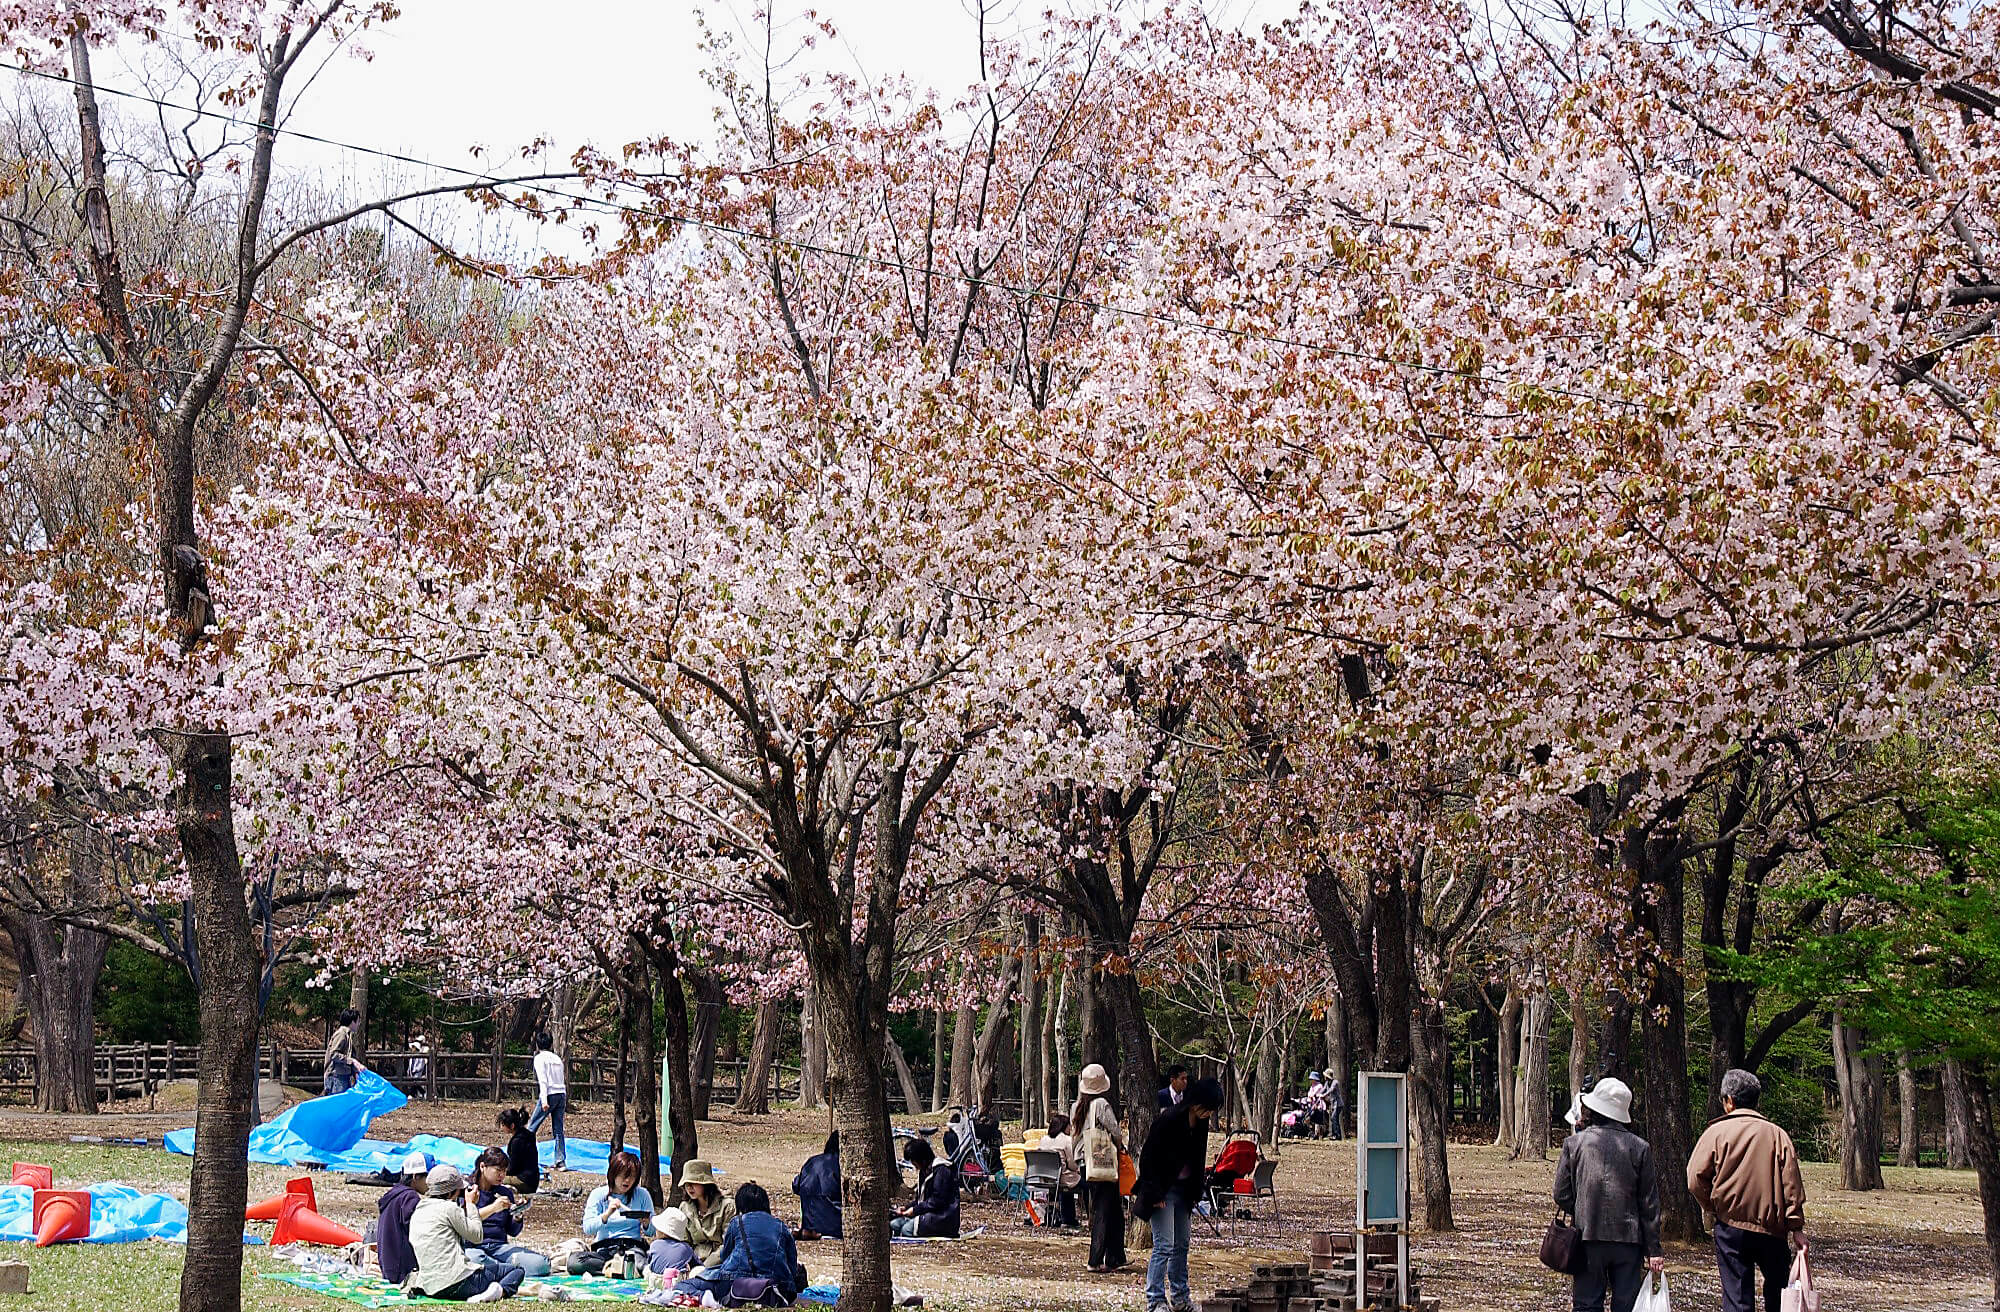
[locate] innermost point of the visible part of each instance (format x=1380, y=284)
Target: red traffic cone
x=269, y=1208
x=298, y=1223
x=35, y=1177
x=61, y=1215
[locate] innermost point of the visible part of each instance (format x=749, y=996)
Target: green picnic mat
x=367, y=1291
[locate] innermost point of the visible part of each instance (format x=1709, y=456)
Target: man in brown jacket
x=1745, y=1172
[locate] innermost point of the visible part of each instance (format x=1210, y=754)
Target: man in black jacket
x=1172, y=1166
x=1606, y=1180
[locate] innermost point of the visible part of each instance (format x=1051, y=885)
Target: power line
x=492, y=182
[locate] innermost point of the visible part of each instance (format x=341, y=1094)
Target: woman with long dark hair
x=617, y=1220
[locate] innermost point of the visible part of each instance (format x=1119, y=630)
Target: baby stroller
x=1297, y=1121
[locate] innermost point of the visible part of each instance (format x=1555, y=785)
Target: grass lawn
x=1914, y=1245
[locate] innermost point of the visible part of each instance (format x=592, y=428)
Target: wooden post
x=499, y=1050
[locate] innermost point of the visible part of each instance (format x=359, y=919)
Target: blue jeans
x=1172, y=1228
x=552, y=1112
x=533, y=1264
x=509, y=1280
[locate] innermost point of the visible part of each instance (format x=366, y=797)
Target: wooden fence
x=129, y=1071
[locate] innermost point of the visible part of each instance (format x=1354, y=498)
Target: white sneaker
x=491, y=1294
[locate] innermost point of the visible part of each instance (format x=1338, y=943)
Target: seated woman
x=500, y=1209
x=439, y=1229
x=1058, y=1141
x=708, y=1213
x=757, y=1246
x=818, y=1188
x=617, y=1220
x=935, y=1212
x=524, y=1160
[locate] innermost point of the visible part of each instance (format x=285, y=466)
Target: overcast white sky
x=452, y=74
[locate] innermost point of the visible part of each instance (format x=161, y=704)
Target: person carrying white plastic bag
x=1653, y=1294
x=1607, y=1181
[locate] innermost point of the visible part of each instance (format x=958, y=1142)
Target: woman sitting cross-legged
x=617, y=1219
x=935, y=1212
x=757, y=1247
x=499, y=1208
x=439, y=1230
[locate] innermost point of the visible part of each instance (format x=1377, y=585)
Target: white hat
x=1093, y=1079
x=415, y=1164
x=1612, y=1099
x=674, y=1224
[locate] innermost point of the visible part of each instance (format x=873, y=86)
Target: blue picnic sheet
x=332, y=1132
x=119, y=1214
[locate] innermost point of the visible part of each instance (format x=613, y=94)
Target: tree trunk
x=1531, y=1110
x=1052, y=1086
x=1906, y=1110
x=938, y=1062
x=1065, y=1087
x=1507, y=1051
x=680, y=1077
x=1653, y=856
x=1983, y=1146
x=1336, y=1048
x=812, y=1052
x=1957, y=1119
x=1430, y=1099
x=226, y=983
x=1263, y=1111
x=707, y=1032
x=1033, y=1110
x=59, y=967
x=1859, y=1077
x=646, y=1091
x=1579, y=1040
x=911, y=1104
x=961, y=1057
x=1137, y=1071
x=357, y=998
x=753, y=1098
x=624, y=1072
x=999, y=1019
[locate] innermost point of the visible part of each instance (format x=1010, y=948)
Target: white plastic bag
x=1800, y=1296
x=1652, y=1293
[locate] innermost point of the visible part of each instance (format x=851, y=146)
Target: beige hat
x=1092, y=1079
x=1611, y=1099
x=698, y=1172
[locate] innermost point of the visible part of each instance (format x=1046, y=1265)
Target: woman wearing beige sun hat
x=707, y=1210
x=1092, y=1121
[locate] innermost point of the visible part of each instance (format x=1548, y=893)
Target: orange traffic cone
x=269, y=1208
x=298, y=1223
x=61, y=1215
x=35, y=1177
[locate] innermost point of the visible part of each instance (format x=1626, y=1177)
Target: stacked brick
x=1325, y=1283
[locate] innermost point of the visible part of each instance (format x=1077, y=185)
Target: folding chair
x=1263, y=1186
x=1042, y=1171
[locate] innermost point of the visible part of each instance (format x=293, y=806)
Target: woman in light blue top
x=617, y=1219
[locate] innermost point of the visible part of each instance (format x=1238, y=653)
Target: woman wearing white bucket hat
x=1606, y=1179
x=1093, y=1117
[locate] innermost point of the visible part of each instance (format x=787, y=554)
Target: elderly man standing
x=1745, y=1172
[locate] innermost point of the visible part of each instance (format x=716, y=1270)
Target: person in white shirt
x=552, y=1092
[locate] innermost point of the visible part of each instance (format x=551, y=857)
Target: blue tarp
x=330, y=1132
x=314, y=1130
x=119, y=1214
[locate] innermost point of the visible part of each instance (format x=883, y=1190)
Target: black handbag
x=1562, y=1247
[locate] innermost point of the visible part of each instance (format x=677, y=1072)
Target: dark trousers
x=1107, y=1223
x=509, y=1279
x=1739, y=1256
x=1066, y=1207
x=1614, y=1269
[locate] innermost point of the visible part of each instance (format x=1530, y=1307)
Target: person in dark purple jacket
x=392, y=1223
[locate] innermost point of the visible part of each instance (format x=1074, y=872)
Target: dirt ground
x=1915, y=1245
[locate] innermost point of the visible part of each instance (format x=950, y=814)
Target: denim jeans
x=552, y=1112
x=1167, y=1272
x=533, y=1264
x=510, y=1280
